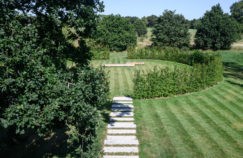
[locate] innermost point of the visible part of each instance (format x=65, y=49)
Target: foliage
x=139, y=25
x=164, y=53
x=194, y=24
x=98, y=51
x=115, y=32
x=217, y=30
x=171, y=30
x=151, y=20
x=206, y=70
x=39, y=94
x=236, y=11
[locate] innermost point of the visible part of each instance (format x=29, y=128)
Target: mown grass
x=202, y=124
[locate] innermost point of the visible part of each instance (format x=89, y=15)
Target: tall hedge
x=204, y=70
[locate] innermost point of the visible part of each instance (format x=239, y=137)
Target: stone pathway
x=121, y=140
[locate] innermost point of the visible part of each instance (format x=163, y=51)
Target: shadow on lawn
x=235, y=71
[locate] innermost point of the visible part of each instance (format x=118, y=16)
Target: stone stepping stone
x=121, y=137
x=116, y=131
x=124, y=142
x=107, y=156
x=119, y=125
x=120, y=119
x=121, y=114
x=122, y=98
x=122, y=109
x=123, y=102
x=117, y=105
x=127, y=150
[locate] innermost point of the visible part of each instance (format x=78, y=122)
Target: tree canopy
x=217, y=30
x=139, y=25
x=115, y=32
x=39, y=94
x=171, y=30
x=237, y=11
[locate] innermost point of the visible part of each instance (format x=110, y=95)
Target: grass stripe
x=156, y=133
x=185, y=129
x=129, y=80
x=170, y=124
x=190, y=133
x=125, y=81
x=236, y=113
x=220, y=126
x=206, y=139
x=211, y=127
x=220, y=109
x=223, y=122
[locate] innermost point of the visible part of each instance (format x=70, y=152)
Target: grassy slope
x=202, y=124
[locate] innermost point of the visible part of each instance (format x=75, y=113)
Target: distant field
x=202, y=124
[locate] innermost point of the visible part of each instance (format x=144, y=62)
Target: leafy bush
x=217, y=30
x=171, y=30
x=115, y=32
x=205, y=70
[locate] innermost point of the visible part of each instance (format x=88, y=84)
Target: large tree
x=151, y=20
x=38, y=93
x=115, y=32
x=237, y=11
x=171, y=30
x=139, y=25
x=217, y=30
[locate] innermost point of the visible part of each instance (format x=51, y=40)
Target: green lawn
x=202, y=124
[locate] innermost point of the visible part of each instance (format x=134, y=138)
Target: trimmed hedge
x=165, y=53
x=204, y=70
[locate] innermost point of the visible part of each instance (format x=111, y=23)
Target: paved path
x=121, y=140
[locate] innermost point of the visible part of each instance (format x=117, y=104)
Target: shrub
x=171, y=30
x=216, y=30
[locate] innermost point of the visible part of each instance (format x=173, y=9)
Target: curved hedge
x=204, y=70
